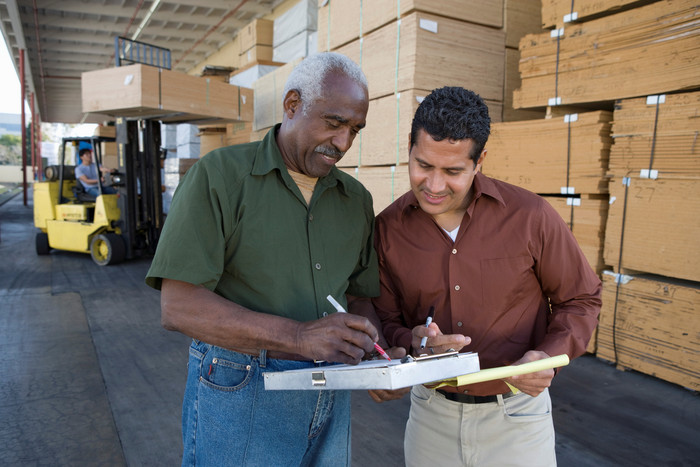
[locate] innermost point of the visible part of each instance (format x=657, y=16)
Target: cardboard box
x=657, y=225
x=300, y=17
x=552, y=156
x=257, y=32
x=650, y=324
x=298, y=46
x=256, y=54
x=211, y=137
x=148, y=92
x=432, y=52
x=105, y=131
x=268, y=96
x=342, y=22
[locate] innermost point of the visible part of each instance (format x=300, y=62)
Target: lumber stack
x=639, y=60
x=646, y=50
x=651, y=325
x=407, y=49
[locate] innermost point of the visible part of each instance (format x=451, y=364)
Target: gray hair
x=307, y=77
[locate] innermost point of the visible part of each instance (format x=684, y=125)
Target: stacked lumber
x=658, y=133
x=565, y=155
x=651, y=324
x=407, y=49
x=255, y=42
x=651, y=49
x=556, y=12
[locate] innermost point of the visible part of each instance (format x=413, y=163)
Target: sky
x=9, y=83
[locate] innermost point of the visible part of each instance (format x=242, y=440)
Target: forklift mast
x=139, y=184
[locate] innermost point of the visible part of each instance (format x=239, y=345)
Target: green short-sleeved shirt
x=239, y=226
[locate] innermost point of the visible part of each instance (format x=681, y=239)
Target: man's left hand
x=532, y=383
x=384, y=395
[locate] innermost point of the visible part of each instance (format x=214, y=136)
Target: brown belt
x=467, y=399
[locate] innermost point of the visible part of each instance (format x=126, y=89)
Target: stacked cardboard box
x=255, y=41
x=173, y=170
x=211, y=137
x=269, y=91
x=147, y=92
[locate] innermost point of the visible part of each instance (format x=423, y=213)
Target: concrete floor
x=90, y=377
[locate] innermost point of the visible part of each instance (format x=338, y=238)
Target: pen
x=340, y=309
x=427, y=323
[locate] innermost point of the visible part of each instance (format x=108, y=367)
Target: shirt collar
x=483, y=185
x=268, y=158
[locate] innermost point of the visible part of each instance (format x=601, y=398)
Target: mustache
x=329, y=151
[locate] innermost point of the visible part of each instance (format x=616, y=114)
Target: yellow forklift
x=110, y=227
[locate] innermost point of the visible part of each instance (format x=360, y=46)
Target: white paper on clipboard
x=375, y=374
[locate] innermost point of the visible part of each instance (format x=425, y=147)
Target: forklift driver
x=86, y=173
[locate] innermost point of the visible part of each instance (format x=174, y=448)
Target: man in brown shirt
x=505, y=277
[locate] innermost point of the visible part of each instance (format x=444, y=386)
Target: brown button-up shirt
x=514, y=280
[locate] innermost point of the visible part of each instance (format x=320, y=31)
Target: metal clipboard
x=376, y=374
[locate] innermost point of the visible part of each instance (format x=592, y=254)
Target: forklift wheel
x=42, y=244
x=108, y=248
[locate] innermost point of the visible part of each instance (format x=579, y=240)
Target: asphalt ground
x=89, y=377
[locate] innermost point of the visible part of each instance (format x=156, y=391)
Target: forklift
x=109, y=227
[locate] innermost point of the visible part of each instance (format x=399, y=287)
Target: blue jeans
x=229, y=419
x=95, y=191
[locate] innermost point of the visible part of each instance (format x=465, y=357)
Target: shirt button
x=454, y=251
x=311, y=217
x=325, y=313
x=456, y=287
x=318, y=266
x=459, y=323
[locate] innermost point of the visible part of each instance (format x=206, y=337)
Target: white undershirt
x=453, y=233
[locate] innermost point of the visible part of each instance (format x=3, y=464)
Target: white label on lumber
x=619, y=278
x=557, y=32
x=243, y=99
x=429, y=25
x=571, y=17
x=420, y=99
x=612, y=199
x=567, y=190
x=573, y=201
x=646, y=173
x=653, y=100
x=570, y=118
x=128, y=79
x=554, y=101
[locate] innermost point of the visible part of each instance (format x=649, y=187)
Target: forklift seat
x=81, y=195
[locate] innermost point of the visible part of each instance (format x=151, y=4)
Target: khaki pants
x=517, y=431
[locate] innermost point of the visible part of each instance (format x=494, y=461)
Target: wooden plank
x=651, y=324
x=554, y=11
x=385, y=183
x=268, y=90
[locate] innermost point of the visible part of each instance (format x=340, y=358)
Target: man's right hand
x=437, y=341
x=339, y=338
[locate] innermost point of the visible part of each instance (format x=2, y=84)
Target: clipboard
x=375, y=374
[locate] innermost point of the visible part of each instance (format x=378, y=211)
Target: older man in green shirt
x=257, y=237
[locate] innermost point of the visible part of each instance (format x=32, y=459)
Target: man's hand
x=383, y=395
x=339, y=337
x=532, y=383
x=437, y=341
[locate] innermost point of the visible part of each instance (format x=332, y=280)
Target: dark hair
x=83, y=151
x=453, y=113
